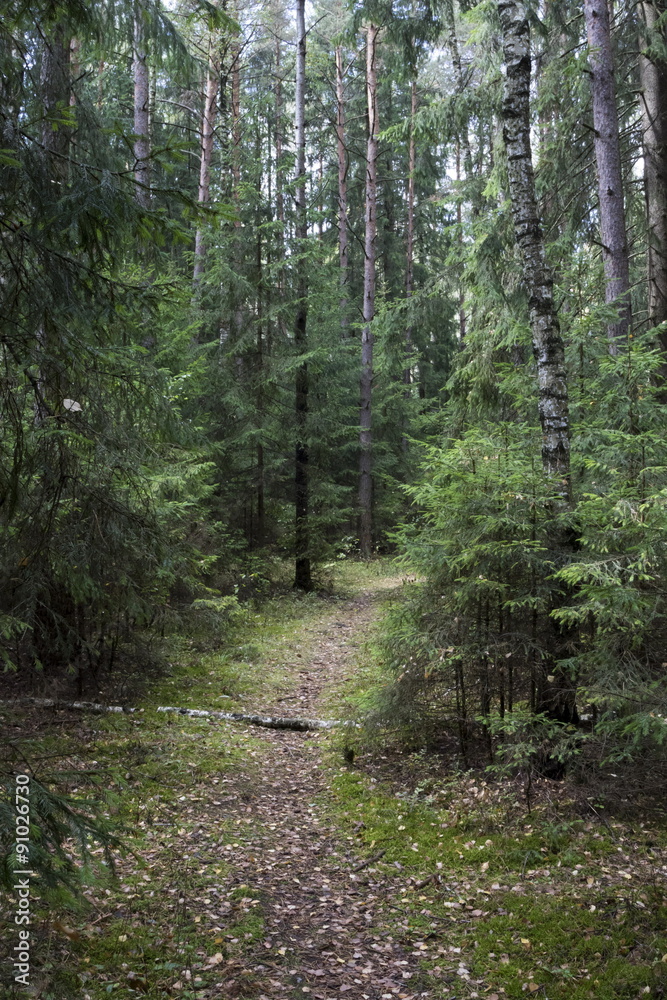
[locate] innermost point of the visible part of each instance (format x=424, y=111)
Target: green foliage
x=66, y=821
x=511, y=615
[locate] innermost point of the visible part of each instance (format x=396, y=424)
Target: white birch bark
x=547, y=341
x=141, y=115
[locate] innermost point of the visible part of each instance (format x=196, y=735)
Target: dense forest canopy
x=301, y=283
x=289, y=291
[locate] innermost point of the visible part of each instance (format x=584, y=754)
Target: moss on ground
x=560, y=909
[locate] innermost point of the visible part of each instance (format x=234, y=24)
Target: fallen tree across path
x=265, y=721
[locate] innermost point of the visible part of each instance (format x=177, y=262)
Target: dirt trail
x=326, y=930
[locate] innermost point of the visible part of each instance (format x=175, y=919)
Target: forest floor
x=265, y=864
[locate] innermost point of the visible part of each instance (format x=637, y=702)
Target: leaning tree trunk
x=141, y=114
x=365, y=436
x=342, y=189
x=302, y=578
x=206, y=149
x=557, y=693
x=653, y=72
x=610, y=179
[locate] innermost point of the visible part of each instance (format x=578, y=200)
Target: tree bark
x=410, y=236
x=299, y=725
x=610, y=180
x=206, y=150
x=280, y=200
x=537, y=276
x=342, y=189
x=653, y=73
x=302, y=577
x=141, y=114
x=365, y=436
x=55, y=87
x=280, y=197
x=557, y=692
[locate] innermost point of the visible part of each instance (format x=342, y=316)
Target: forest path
x=327, y=923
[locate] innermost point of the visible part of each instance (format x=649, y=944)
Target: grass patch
x=559, y=909
x=161, y=924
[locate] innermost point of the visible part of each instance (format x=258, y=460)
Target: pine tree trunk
x=365, y=437
x=206, y=150
x=610, y=179
x=302, y=578
x=236, y=136
x=280, y=200
x=280, y=197
x=410, y=236
x=653, y=72
x=547, y=340
x=141, y=115
x=342, y=190
x=236, y=122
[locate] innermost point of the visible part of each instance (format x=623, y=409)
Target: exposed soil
x=325, y=909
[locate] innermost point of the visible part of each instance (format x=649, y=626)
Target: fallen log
x=265, y=721
x=83, y=706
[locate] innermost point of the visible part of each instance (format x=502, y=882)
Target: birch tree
x=538, y=279
x=141, y=111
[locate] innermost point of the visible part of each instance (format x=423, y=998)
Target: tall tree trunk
x=55, y=92
x=459, y=238
x=280, y=200
x=410, y=241
x=75, y=68
x=365, y=436
x=236, y=137
x=342, y=189
x=557, y=690
x=260, y=533
x=141, y=113
x=537, y=276
x=236, y=122
x=302, y=578
x=461, y=82
x=55, y=87
x=610, y=179
x=280, y=197
x=653, y=71
x=206, y=154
